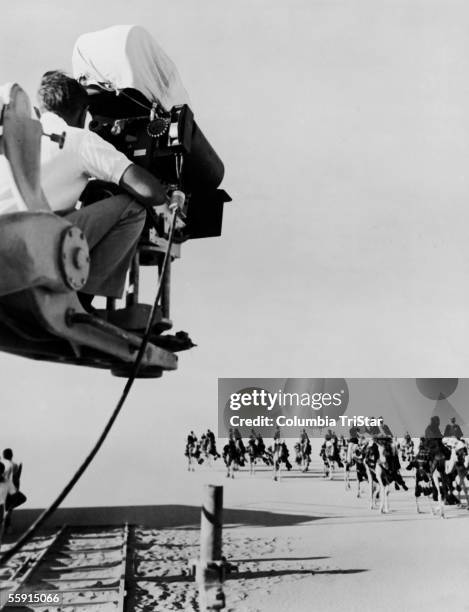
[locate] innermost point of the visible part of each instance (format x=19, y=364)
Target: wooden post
x=210, y=568
x=211, y=524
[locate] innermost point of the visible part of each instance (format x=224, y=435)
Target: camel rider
x=384, y=430
x=434, y=438
x=260, y=444
x=286, y=454
x=453, y=430
x=373, y=430
x=385, y=434
x=325, y=444
x=305, y=443
x=335, y=444
x=407, y=448
x=239, y=441
x=212, y=444
x=203, y=442
x=191, y=442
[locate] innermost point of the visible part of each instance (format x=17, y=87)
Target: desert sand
x=304, y=543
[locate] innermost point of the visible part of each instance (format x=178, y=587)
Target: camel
x=193, y=455
x=232, y=457
x=383, y=468
x=280, y=455
x=303, y=455
x=330, y=456
x=355, y=457
x=257, y=452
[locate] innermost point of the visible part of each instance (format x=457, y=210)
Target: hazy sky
x=343, y=128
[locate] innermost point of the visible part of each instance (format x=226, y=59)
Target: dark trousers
x=112, y=228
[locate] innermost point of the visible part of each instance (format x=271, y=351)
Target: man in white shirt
x=12, y=469
x=112, y=226
x=6, y=488
x=8, y=472
x=6, y=485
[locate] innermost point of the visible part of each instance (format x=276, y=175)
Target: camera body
x=171, y=146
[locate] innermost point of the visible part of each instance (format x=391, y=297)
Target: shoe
x=180, y=341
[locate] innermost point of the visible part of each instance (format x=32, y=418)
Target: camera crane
x=45, y=259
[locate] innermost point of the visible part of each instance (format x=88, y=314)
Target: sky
x=343, y=129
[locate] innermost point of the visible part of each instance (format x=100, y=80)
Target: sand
x=308, y=544
x=300, y=544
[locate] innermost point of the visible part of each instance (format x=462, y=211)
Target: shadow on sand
x=287, y=572
x=158, y=517
x=269, y=559
x=251, y=575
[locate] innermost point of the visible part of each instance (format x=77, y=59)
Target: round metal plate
x=74, y=258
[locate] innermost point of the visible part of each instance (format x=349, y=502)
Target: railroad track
x=76, y=569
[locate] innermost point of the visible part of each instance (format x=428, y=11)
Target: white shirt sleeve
x=101, y=159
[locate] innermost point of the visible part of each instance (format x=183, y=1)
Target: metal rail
x=59, y=565
x=33, y=562
x=20, y=575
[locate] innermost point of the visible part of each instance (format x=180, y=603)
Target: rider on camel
x=453, y=430
x=260, y=443
x=239, y=440
x=305, y=442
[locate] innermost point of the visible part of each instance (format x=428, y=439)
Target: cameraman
x=112, y=226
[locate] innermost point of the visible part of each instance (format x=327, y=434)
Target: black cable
x=121, y=92
x=32, y=529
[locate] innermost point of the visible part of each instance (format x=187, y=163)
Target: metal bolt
x=80, y=258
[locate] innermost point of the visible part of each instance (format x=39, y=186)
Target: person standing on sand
x=6, y=488
x=12, y=469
